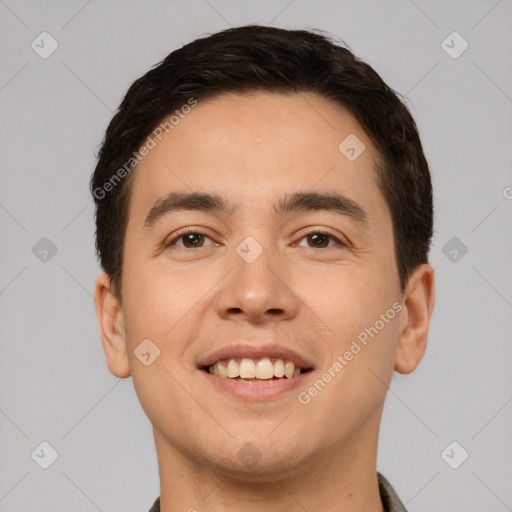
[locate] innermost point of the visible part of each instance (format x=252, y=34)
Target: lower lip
x=255, y=390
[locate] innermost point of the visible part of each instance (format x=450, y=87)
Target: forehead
x=257, y=146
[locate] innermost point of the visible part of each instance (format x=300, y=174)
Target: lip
x=255, y=352
x=255, y=391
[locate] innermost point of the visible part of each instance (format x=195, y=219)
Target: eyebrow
x=290, y=203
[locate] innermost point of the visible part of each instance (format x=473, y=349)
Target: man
x=264, y=216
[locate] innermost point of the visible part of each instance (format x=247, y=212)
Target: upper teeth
x=246, y=368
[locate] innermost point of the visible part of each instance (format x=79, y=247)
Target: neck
x=343, y=478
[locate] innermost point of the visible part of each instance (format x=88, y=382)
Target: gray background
x=55, y=385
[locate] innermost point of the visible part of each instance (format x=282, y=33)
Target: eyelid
x=175, y=237
x=323, y=231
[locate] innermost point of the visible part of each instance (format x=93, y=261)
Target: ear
x=111, y=322
x=418, y=300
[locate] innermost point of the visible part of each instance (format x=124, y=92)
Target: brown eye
x=189, y=240
x=320, y=240
x=192, y=240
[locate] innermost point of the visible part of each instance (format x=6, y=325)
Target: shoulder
x=389, y=497
x=156, y=506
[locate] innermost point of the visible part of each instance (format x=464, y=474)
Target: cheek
x=347, y=298
x=165, y=306
x=154, y=297
x=359, y=318
x=158, y=308
x=360, y=363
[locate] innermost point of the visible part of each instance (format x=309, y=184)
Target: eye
x=189, y=239
x=320, y=240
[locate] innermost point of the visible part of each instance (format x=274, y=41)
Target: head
x=263, y=187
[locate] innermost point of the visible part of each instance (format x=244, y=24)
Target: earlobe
x=419, y=298
x=112, y=329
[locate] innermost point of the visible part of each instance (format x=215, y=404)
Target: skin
x=253, y=148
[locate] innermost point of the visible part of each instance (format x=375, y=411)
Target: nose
x=258, y=291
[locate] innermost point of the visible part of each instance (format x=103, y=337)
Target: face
x=264, y=270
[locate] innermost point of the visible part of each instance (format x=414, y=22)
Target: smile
x=255, y=372
x=260, y=370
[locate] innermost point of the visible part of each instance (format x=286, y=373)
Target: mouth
x=264, y=369
x=255, y=372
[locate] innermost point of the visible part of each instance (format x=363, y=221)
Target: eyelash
x=181, y=234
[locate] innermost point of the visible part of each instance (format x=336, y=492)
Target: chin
x=257, y=458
